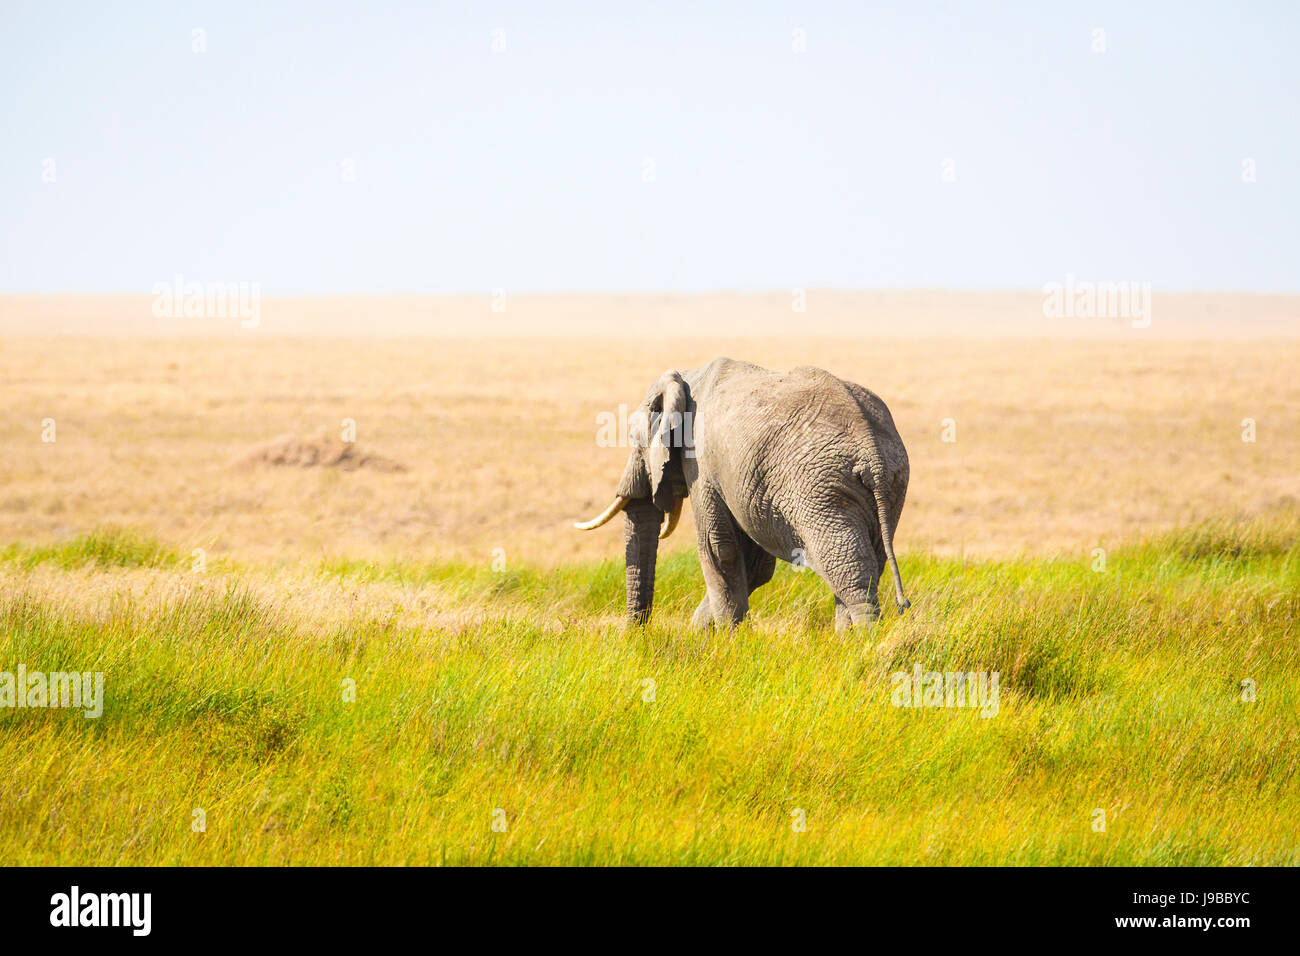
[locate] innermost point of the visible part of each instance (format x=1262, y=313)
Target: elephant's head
x=654, y=483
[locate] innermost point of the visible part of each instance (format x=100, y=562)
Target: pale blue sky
x=525, y=170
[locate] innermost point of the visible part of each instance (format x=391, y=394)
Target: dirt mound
x=320, y=452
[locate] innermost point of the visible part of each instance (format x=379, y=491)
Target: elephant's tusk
x=619, y=504
x=673, y=517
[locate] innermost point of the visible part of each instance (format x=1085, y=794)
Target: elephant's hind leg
x=759, y=565
x=844, y=557
x=858, y=615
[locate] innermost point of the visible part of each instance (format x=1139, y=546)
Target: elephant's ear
x=669, y=433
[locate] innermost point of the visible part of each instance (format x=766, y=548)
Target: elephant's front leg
x=723, y=561
x=703, y=615
x=759, y=568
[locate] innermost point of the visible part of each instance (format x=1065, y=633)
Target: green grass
x=102, y=548
x=1119, y=691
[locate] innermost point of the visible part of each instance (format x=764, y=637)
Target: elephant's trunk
x=641, y=536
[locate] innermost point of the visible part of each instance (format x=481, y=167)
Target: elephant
x=800, y=466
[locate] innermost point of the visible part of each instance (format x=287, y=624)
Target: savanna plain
x=327, y=569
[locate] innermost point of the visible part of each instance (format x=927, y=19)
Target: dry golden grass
x=1063, y=443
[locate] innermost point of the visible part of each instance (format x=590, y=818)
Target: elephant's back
x=785, y=438
x=807, y=411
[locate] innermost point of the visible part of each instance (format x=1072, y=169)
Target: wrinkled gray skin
x=798, y=465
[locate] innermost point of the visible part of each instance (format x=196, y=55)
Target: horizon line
x=672, y=293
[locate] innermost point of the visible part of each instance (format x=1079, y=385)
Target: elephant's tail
x=872, y=477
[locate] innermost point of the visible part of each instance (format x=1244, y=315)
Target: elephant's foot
x=855, y=615
x=702, y=619
x=720, y=610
